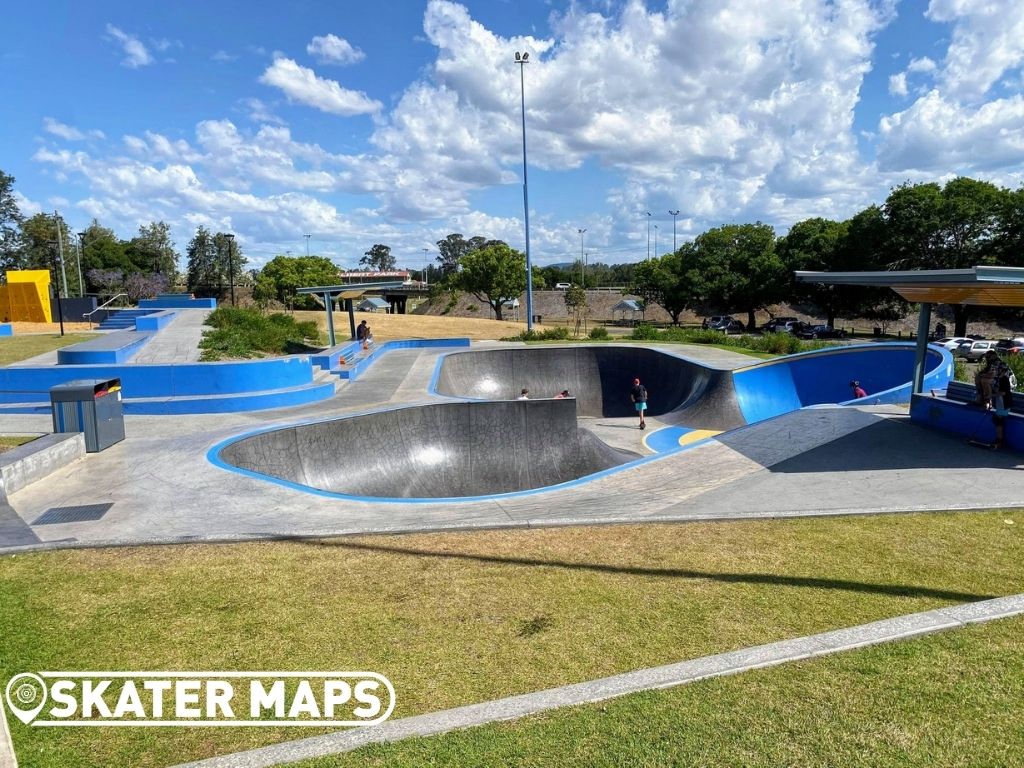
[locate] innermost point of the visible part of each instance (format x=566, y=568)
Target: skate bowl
x=427, y=452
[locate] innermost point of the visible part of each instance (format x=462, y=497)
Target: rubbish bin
x=538, y=319
x=91, y=406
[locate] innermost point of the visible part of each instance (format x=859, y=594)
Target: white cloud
x=302, y=85
x=924, y=64
x=25, y=206
x=330, y=49
x=898, y=84
x=223, y=56
x=259, y=112
x=68, y=132
x=135, y=53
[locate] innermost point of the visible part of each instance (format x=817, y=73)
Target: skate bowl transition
x=484, y=442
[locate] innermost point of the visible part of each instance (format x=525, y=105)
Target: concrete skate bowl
x=442, y=451
x=600, y=378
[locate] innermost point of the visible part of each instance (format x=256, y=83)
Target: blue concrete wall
x=177, y=302
x=91, y=353
x=967, y=421
x=6, y=329
x=811, y=378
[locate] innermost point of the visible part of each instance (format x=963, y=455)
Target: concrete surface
x=432, y=451
x=7, y=756
x=667, y=676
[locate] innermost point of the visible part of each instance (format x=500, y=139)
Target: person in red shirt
x=858, y=390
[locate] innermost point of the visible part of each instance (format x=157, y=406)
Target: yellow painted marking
x=698, y=434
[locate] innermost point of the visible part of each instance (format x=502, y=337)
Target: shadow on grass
x=893, y=590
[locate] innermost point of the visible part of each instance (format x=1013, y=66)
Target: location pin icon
x=26, y=695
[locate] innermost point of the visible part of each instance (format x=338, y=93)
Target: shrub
x=242, y=333
x=645, y=332
x=559, y=333
x=599, y=332
x=473, y=308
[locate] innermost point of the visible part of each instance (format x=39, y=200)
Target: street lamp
x=673, y=214
x=426, y=264
x=648, y=233
x=583, y=274
x=655, y=239
x=307, y=243
x=521, y=60
x=231, y=266
x=54, y=260
x=81, y=252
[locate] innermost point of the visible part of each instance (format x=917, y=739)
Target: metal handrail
x=103, y=306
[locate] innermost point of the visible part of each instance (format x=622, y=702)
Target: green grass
x=14, y=349
x=238, y=333
x=7, y=442
x=951, y=699
x=459, y=618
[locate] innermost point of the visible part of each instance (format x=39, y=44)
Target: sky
x=399, y=122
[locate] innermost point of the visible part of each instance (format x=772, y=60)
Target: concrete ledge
x=6, y=329
x=968, y=421
x=112, y=348
x=155, y=320
x=33, y=461
x=177, y=302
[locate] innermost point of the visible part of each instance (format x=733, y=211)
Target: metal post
x=521, y=60
x=60, y=308
x=81, y=250
x=655, y=239
x=60, y=251
x=920, y=353
x=351, y=317
x=307, y=243
x=426, y=264
x=583, y=274
x=673, y=214
x=648, y=233
x=231, y=267
x=330, y=318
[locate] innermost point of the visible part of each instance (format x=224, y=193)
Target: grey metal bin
x=91, y=406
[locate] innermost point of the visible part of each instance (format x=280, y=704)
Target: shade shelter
x=331, y=293
x=628, y=305
x=373, y=304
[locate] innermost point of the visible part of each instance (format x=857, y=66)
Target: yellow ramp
x=26, y=297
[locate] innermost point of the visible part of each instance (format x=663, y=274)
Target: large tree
x=951, y=227
x=736, y=267
x=818, y=245
x=10, y=225
x=203, y=274
x=379, y=258
x=152, y=250
x=41, y=248
x=494, y=274
x=661, y=280
x=284, y=275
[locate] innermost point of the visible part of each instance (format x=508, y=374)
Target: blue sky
x=398, y=122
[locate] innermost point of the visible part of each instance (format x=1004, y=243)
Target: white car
x=563, y=286
x=973, y=351
x=952, y=342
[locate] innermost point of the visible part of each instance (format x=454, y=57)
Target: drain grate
x=80, y=514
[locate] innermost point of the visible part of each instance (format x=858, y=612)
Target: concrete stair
x=123, y=319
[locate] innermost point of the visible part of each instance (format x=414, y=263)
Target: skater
x=858, y=390
x=639, y=397
x=1003, y=402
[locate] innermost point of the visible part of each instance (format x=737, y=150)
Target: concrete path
x=667, y=676
x=7, y=756
x=178, y=341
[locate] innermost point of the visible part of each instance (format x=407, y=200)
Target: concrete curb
x=670, y=675
x=7, y=757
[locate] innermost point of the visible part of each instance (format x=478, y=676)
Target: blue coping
x=330, y=359
x=114, y=348
x=177, y=302
x=965, y=420
x=6, y=329
x=154, y=321
x=822, y=376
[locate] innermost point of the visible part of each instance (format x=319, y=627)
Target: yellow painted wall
x=26, y=297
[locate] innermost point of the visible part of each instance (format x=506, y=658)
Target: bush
x=246, y=333
x=645, y=332
x=558, y=333
x=599, y=332
x=776, y=343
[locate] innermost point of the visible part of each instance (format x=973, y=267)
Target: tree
x=101, y=249
x=203, y=271
x=660, y=280
x=152, y=250
x=735, y=266
x=952, y=227
x=10, y=225
x=576, y=305
x=494, y=274
x=817, y=245
x=455, y=247
x=282, y=276
x=379, y=258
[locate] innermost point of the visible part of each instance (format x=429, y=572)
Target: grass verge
x=459, y=618
x=14, y=349
x=7, y=442
x=950, y=699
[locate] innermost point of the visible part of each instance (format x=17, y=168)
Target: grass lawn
x=951, y=699
x=14, y=349
x=13, y=441
x=387, y=327
x=459, y=618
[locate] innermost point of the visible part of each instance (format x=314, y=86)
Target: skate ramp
x=447, y=450
x=600, y=378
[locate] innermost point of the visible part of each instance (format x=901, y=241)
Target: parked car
x=563, y=286
x=1010, y=346
x=779, y=324
x=723, y=323
x=821, y=332
x=952, y=342
x=972, y=351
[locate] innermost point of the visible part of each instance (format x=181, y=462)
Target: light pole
x=655, y=239
x=60, y=252
x=426, y=263
x=231, y=267
x=54, y=258
x=648, y=233
x=307, y=244
x=522, y=60
x=81, y=252
x=583, y=274
x=673, y=214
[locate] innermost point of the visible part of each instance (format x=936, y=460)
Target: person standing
x=363, y=334
x=858, y=390
x=639, y=397
x=1003, y=402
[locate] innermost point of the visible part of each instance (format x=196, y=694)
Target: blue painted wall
x=811, y=378
x=177, y=302
x=6, y=329
x=120, y=349
x=967, y=421
x=154, y=321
